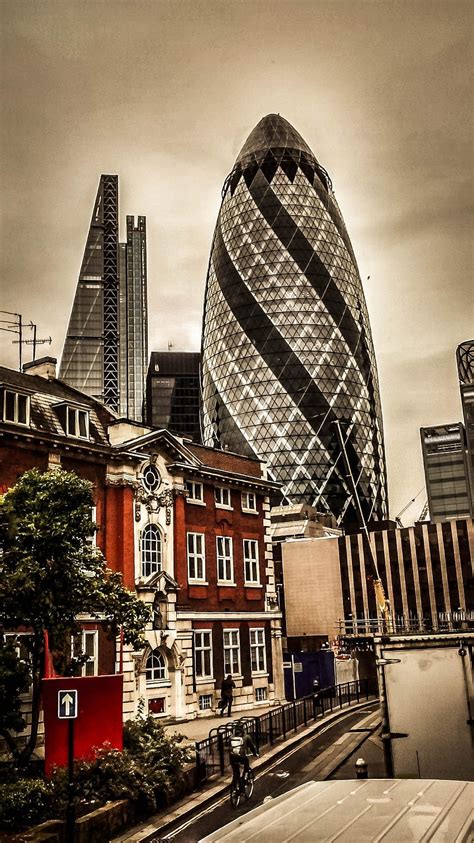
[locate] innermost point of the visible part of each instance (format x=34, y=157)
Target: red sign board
x=99, y=717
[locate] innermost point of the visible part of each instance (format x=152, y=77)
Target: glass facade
x=286, y=346
x=105, y=351
x=446, y=471
x=465, y=362
x=172, y=399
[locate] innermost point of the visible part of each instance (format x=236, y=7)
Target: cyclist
x=240, y=743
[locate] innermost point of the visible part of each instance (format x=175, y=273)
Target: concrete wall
x=313, y=590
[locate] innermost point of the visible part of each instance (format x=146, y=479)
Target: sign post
x=67, y=710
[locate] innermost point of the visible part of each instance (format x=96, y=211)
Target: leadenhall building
x=286, y=348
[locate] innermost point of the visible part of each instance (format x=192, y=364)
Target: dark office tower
x=133, y=321
x=446, y=471
x=287, y=347
x=465, y=362
x=105, y=352
x=172, y=392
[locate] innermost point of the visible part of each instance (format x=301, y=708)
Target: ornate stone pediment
x=164, y=584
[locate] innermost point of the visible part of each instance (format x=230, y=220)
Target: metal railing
x=212, y=755
x=402, y=625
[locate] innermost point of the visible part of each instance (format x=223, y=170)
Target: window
x=225, y=567
x=85, y=644
x=151, y=478
x=195, y=492
x=222, y=497
x=16, y=407
x=21, y=644
x=257, y=651
x=249, y=501
x=231, y=652
x=203, y=653
x=92, y=539
x=196, y=557
x=260, y=694
x=251, y=572
x=155, y=670
x=151, y=550
x=205, y=702
x=74, y=420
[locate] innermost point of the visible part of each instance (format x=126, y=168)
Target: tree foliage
x=50, y=574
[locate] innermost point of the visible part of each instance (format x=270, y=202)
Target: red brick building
x=187, y=526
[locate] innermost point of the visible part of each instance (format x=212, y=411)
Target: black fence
x=212, y=755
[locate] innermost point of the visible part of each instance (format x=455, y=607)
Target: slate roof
x=45, y=395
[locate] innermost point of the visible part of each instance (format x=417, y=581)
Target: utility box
x=427, y=682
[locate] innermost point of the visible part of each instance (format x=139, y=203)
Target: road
x=289, y=771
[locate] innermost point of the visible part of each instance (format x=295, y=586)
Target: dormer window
x=74, y=420
x=15, y=407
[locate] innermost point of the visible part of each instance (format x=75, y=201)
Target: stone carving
x=152, y=502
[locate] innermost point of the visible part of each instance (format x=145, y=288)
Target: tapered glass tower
x=105, y=351
x=286, y=347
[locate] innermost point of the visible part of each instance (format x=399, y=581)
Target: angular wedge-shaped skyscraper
x=287, y=348
x=105, y=351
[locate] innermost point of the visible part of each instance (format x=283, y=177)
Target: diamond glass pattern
x=287, y=348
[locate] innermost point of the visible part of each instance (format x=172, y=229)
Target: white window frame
x=258, y=648
x=91, y=666
x=151, y=488
x=155, y=682
x=16, y=398
x=76, y=432
x=225, y=560
x=92, y=540
x=251, y=562
x=155, y=564
x=208, y=698
x=231, y=651
x=196, y=557
x=221, y=492
x=24, y=656
x=195, y=492
x=245, y=502
x=200, y=649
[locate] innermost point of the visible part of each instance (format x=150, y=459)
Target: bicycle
x=243, y=786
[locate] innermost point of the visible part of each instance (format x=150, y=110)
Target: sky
x=165, y=93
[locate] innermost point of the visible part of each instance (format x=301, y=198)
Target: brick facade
x=143, y=533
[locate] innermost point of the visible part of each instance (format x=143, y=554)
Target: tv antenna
x=16, y=326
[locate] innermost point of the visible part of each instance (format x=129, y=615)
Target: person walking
x=227, y=696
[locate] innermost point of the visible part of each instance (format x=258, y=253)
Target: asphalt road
x=287, y=772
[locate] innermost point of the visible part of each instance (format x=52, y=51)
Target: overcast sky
x=165, y=94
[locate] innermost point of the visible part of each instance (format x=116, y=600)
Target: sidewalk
x=198, y=729
x=328, y=762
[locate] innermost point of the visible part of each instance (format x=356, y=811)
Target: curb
x=158, y=825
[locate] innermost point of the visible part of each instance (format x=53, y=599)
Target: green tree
x=49, y=574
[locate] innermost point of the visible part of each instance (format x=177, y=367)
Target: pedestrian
x=227, y=688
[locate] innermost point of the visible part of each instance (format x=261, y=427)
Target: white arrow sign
x=67, y=704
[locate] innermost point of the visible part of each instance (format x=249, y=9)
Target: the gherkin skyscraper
x=286, y=347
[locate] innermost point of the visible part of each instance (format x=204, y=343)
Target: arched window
x=151, y=550
x=155, y=667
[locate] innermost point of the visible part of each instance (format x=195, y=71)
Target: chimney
x=45, y=367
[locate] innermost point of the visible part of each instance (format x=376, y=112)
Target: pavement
x=198, y=729
x=329, y=761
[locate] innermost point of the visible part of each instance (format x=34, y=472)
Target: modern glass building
x=446, y=471
x=173, y=393
x=106, y=347
x=286, y=346
x=465, y=364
